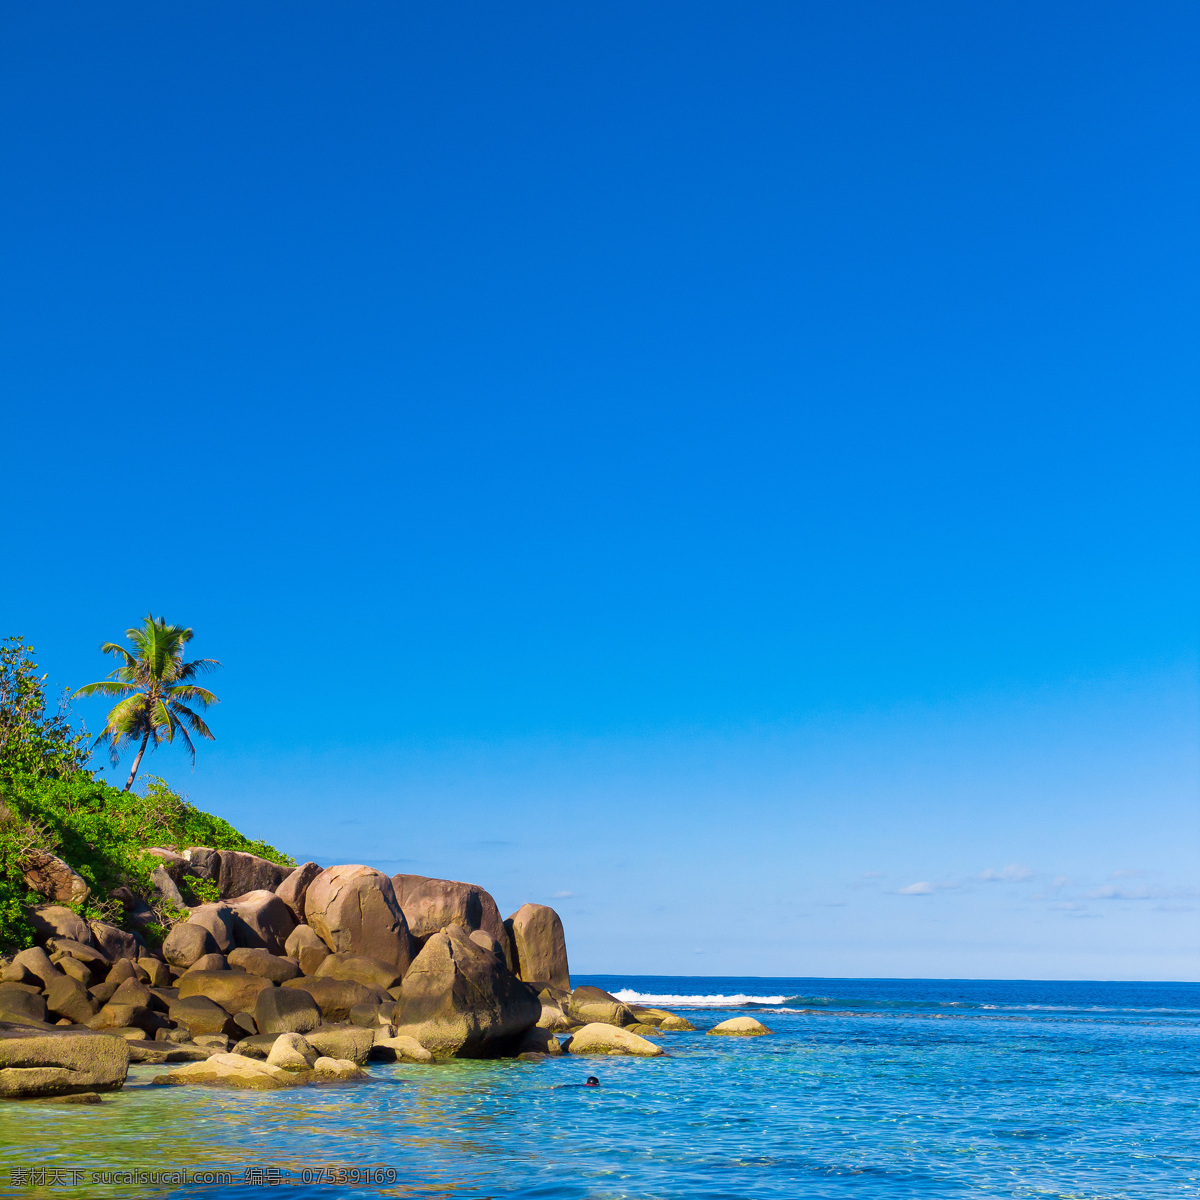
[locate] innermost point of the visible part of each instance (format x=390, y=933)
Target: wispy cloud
x=1013, y=873
x=563, y=896
x=926, y=888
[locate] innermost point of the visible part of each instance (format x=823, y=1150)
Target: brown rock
x=264, y=963
x=187, y=942
x=600, y=1038
x=458, y=999
x=431, y=904
x=261, y=921
x=165, y=888
x=295, y=887
x=114, y=943
x=234, y=991
x=218, y=920
x=67, y=997
x=157, y=974
x=233, y=1071
x=127, y=1016
x=133, y=992
x=208, y=962
x=396, y=1049
x=102, y=993
x=78, y=951
x=286, y=1010
x=539, y=946
x=60, y=1063
x=74, y=968
x=22, y=1007
x=354, y=909
x=242, y=873
x=592, y=1005
x=37, y=963
x=203, y=862
x=49, y=876
x=52, y=920
x=202, y=1016
x=306, y=947
x=350, y=1042
x=539, y=1041
x=335, y=997
x=359, y=968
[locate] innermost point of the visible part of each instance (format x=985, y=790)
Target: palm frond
x=192, y=720
x=118, y=652
x=198, y=695
x=104, y=688
x=189, y=670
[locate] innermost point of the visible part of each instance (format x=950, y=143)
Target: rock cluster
x=296, y=977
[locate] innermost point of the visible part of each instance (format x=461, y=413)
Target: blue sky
x=728, y=471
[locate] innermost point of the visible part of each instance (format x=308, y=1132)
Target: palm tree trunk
x=137, y=763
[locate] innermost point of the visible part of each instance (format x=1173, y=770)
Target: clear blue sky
x=732, y=463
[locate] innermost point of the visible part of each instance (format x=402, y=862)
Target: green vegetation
x=153, y=684
x=50, y=801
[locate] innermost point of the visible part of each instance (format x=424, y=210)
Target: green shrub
x=49, y=801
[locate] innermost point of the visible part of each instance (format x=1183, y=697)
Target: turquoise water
x=868, y=1089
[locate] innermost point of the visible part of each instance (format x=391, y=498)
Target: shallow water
x=868, y=1088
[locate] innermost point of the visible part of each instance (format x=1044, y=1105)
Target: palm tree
x=155, y=683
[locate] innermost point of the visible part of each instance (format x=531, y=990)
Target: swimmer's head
x=592, y=1081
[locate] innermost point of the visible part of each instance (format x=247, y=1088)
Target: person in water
x=592, y=1081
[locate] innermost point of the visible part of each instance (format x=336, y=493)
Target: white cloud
x=1128, y=874
x=562, y=896
x=1013, y=873
x=916, y=889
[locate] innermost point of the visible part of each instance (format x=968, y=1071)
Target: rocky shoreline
x=295, y=977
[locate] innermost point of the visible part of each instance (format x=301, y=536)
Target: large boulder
x=457, y=999
x=263, y=962
x=218, y=919
x=336, y=997
x=361, y=969
x=112, y=942
x=431, y=904
x=286, y=1010
x=539, y=946
x=539, y=1040
x=589, y=1005
x=202, y=1016
x=349, y=1042
x=165, y=888
x=79, y=951
x=355, y=911
x=208, y=962
x=234, y=991
x=203, y=862
x=186, y=943
x=68, y=999
x=49, y=876
x=241, y=873
x=608, y=1039
x=20, y=1004
x=262, y=921
x=56, y=1064
x=304, y=944
x=295, y=887
x=292, y=1052
x=53, y=920
x=36, y=962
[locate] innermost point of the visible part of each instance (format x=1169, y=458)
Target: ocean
x=868, y=1088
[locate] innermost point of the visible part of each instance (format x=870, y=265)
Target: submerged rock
x=740, y=1027
x=599, y=1038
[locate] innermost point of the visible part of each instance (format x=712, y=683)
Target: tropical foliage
x=156, y=688
x=50, y=801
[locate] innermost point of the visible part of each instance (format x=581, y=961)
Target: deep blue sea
x=869, y=1088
